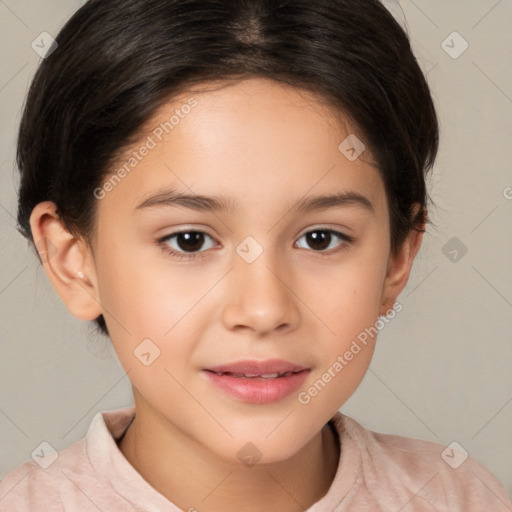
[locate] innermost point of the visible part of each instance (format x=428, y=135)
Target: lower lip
x=258, y=391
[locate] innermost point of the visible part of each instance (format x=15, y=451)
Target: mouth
x=271, y=369
x=258, y=382
x=264, y=376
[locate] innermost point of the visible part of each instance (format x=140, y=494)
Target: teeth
x=255, y=375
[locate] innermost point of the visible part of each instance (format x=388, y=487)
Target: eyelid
x=325, y=227
x=164, y=239
x=345, y=239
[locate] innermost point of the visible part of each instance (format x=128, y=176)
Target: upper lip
x=258, y=367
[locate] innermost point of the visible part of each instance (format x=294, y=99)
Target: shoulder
x=424, y=472
x=38, y=484
x=54, y=478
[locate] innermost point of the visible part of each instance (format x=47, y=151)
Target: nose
x=261, y=296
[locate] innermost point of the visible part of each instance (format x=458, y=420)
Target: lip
x=258, y=367
x=258, y=390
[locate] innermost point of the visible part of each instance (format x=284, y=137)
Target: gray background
x=441, y=370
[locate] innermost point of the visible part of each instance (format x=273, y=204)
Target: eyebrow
x=219, y=204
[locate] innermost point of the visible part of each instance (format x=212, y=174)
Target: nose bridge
x=260, y=297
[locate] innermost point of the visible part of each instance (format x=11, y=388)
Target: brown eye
x=321, y=239
x=190, y=241
x=185, y=242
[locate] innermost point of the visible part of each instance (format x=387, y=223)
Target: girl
x=235, y=193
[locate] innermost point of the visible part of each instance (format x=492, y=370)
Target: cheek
x=349, y=307
x=141, y=292
x=152, y=312
x=344, y=357
x=347, y=295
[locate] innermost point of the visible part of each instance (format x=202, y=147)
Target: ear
x=399, y=267
x=67, y=261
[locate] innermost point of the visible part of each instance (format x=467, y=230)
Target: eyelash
x=347, y=240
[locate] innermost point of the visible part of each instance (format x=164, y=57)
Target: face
x=186, y=288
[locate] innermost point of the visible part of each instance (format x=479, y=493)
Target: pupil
x=319, y=237
x=192, y=241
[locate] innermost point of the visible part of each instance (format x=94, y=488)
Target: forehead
x=254, y=141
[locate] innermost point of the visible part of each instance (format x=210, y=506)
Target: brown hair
x=118, y=61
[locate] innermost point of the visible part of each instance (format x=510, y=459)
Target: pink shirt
x=376, y=473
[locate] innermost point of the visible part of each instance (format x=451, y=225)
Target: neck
x=179, y=469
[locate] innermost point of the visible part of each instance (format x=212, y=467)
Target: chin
x=256, y=451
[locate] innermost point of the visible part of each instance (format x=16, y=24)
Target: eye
x=321, y=239
x=187, y=244
x=187, y=241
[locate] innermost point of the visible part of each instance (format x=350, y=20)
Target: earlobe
x=399, y=269
x=67, y=261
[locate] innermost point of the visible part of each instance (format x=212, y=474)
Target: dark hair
x=118, y=61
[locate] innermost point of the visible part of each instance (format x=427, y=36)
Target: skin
x=266, y=146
